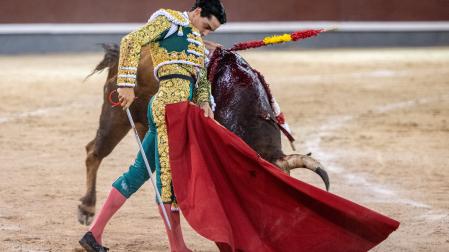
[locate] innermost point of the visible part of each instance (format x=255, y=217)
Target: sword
x=142, y=151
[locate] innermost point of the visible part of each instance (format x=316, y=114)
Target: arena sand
x=378, y=119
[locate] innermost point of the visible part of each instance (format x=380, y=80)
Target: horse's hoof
x=85, y=217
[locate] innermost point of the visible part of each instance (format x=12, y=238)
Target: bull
x=243, y=106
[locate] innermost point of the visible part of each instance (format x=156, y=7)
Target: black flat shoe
x=89, y=243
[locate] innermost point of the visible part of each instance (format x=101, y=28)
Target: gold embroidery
x=161, y=21
x=127, y=71
x=132, y=43
x=161, y=56
x=177, y=16
x=186, y=70
x=170, y=91
x=195, y=31
x=202, y=93
x=193, y=36
x=198, y=49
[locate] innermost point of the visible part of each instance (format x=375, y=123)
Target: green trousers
x=155, y=142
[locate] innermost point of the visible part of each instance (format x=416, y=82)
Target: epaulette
x=173, y=16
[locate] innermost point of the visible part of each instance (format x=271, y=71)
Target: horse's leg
x=113, y=127
x=86, y=209
x=293, y=161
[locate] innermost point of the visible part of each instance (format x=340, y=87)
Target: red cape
x=232, y=196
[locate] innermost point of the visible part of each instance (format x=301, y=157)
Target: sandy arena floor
x=378, y=119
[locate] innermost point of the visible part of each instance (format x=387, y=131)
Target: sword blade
x=142, y=151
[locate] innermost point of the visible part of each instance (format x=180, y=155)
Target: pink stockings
x=115, y=200
x=175, y=234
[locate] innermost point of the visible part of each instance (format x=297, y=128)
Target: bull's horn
x=323, y=174
x=293, y=161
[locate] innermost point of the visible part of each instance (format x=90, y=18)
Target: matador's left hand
x=126, y=97
x=207, y=110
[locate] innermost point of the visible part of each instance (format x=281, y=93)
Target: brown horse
x=242, y=107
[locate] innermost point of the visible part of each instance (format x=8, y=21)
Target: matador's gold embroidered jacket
x=172, y=40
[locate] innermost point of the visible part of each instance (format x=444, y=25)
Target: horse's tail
x=110, y=60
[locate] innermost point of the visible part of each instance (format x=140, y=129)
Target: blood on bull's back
x=243, y=103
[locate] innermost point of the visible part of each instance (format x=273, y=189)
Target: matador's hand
x=126, y=97
x=207, y=110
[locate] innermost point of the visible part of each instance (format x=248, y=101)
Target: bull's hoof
x=85, y=214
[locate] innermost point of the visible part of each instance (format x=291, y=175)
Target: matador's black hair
x=211, y=7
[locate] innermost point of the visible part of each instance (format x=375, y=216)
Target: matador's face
x=204, y=24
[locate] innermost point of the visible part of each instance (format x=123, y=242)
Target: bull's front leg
x=294, y=161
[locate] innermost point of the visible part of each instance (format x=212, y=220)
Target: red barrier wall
x=107, y=11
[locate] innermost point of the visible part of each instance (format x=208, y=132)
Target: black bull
x=242, y=105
